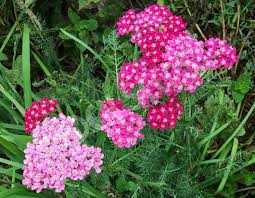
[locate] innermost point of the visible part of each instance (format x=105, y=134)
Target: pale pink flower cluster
x=172, y=61
x=56, y=154
x=121, y=124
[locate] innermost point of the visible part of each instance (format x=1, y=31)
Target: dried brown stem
x=241, y=49
x=197, y=26
x=238, y=20
x=223, y=19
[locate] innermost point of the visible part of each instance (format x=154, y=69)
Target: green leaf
x=8, y=36
x=43, y=66
x=232, y=157
x=160, y=2
x=9, y=172
x=11, y=150
x=9, y=162
x=89, y=25
x=242, y=132
x=15, y=74
x=19, y=140
x=86, y=46
x=249, y=178
x=74, y=18
x=3, y=57
x=132, y=186
x=8, y=107
x=12, y=126
x=12, y=99
x=86, y=3
x=29, y=2
x=26, y=67
x=238, y=97
x=242, y=86
x=121, y=184
x=21, y=192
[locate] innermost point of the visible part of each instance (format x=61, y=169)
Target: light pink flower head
x=56, y=154
x=120, y=124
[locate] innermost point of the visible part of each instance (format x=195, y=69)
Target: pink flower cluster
x=34, y=115
x=165, y=116
x=121, y=124
x=171, y=62
x=151, y=29
x=221, y=52
x=56, y=154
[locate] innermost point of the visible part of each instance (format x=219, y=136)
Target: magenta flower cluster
x=56, y=154
x=121, y=124
x=171, y=61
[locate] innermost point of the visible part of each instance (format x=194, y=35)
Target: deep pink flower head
x=184, y=63
x=165, y=115
x=56, y=154
x=132, y=74
x=126, y=22
x=121, y=125
x=151, y=29
x=220, y=51
x=34, y=115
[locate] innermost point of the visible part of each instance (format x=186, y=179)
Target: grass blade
x=16, y=116
x=44, y=68
x=232, y=157
x=8, y=36
x=86, y=47
x=214, y=133
x=9, y=172
x=236, y=131
x=13, y=100
x=15, y=164
x=11, y=150
x=26, y=67
x=12, y=126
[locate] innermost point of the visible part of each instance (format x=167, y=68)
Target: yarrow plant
x=121, y=124
x=171, y=61
x=38, y=110
x=56, y=154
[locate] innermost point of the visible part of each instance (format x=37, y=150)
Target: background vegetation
x=68, y=50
